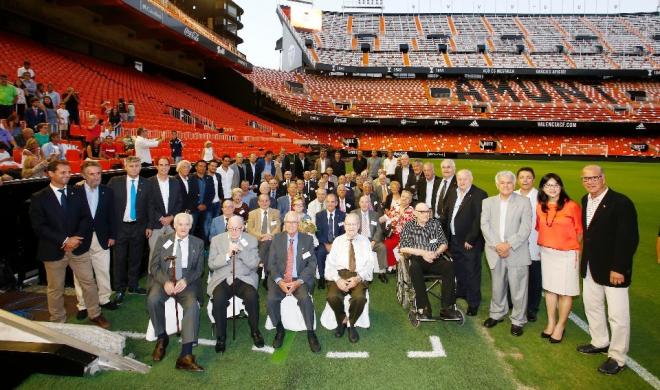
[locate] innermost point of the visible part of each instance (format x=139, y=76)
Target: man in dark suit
x=218, y=196
x=375, y=204
x=102, y=235
x=338, y=165
x=188, y=189
x=611, y=237
x=34, y=115
x=251, y=170
x=462, y=215
x=188, y=253
x=292, y=266
x=285, y=202
x=286, y=161
x=345, y=201
x=131, y=194
x=329, y=224
x=448, y=167
x=62, y=222
x=301, y=164
x=265, y=164
x=205, y=197
x=404, y=174
x=309, y=188
x=359, y=163
x=165, y=201
x=323, y=162
x=283, y=186
x=264, y=188
x=427, y=186
x=371, y=228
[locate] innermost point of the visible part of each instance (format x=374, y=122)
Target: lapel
x=599, y=210
x=192, y=253
x=299, y=250
x=466, y=199
x=55, y=205
x=495, y=205
x=173, y=192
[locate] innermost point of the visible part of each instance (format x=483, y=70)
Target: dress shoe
x=313, y=341
x=383, y=277
x=531, y=316
x=188, y=363
x=220, y=344
x=611, y=367
x=353, y=335
x=490, y=322
x=257, y=339
x=472, y=311
x=589, y=349
x=279, y=339
x=100, y=321
x=449, y=314
x=426, y=314
x=339, y=331
x=111, y=305
x=516, y=330
x=322, y=284
x=119, y=296
x=556, y=341
x=391, y=271
x=81, y=315
x=137, y=290
x=545, y=335
x=159, y=350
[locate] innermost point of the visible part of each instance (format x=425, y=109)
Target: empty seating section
x=524, y=99
x=97, y=81
x=597, y=39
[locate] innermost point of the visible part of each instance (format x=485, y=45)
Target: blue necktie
x=133, y=199
x=331, y=228
x=63, y=199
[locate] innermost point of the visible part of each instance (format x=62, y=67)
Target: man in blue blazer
x=204, y=200
x=61, y=222
x=265, y=164
x=329, y=224
x=189, y=190
x=284, y=202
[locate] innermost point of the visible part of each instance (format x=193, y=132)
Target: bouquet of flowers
x=307, y=226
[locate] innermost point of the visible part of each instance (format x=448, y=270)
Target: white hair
x=465, y=172
x=185, y=216
x=499, y=174
x=181, y=163
x=450, y=162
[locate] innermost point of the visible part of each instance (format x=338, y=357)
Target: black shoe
x=392, y=271
x=472, y=311
x=589, y=349
x=137, y=290
x=313, y=341
x=449, y=314
x=545, y=335
x=531, y=316
x=339, y=331
x=353, y=335
x=383, y=277
x=258, y=339
x=516, y=330
x=322, y=284
x=82, y=314
x=611, y=367
x=111, y=305
x=426, y=314
x=119, y=296
x=279, y=339
x=557, y=341
x=220, y=344
x=490, y=322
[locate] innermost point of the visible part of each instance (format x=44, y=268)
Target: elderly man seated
x=188, y=253
x=233, y=261
x=348, y=270
x=423, y=239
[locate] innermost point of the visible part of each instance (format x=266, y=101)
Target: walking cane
x=172, y=260
x=233, y=290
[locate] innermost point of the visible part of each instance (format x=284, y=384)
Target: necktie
x=384, y=192
x=272, y=194
x=342, y=205
x=288, y=272
x=306, y=187
x=178, y=272
x=351, y=256
x=264, y=223
x=443, y=190
x=291, y=203
x=226, y=224
x=63, y=199
x=371, y=206
x=133, y=214
x=365, y=225
x=331, y=228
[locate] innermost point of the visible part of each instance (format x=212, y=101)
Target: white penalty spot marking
x=347, y=355
x=437, y=350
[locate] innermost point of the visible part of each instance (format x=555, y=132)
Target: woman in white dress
x=207, y=152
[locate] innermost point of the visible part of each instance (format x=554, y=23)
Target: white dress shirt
x=184, y=251
x=92, y=198
x=57, y=192
x=338, y=258
x=457, y=205
x=389, y=165
x=142, y=148
x=227, y=177
x=429, y=193
x=127, y=210
x=534, y=250
x=592, y=205
x=314, y=208
x=164, y=192
x=404, y=175
x=504, y=206
x=184, y=179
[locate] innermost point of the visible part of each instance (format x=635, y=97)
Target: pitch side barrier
x=494, y=155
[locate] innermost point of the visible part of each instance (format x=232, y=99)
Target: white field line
x=436, y=351
x=347, y=355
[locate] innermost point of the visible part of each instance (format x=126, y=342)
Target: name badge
x=348, y=205
x=374, y=223
x=273, y=223
x=433, y=241
x=242, y=212
x=306, y=255
x=244, y=242
x=375, y=202
x=168, y=244
x=340, y=224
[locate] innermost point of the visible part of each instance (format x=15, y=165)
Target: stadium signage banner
x=473, y=123
x=639, y=147
x=393, y=70
x=153, y=12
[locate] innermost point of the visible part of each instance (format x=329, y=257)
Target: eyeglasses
x=551, y=186
x=423, y=211
x=294, y=222
x=235, y=229
x=588, y=179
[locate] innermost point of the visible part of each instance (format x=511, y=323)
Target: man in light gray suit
x=292, y=267
x=229, y=250
x=188, y=267
x=371, y=228
x=506, y=225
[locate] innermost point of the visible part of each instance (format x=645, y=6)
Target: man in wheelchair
x=423, y=240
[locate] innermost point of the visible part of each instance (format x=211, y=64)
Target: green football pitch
x=475, y=357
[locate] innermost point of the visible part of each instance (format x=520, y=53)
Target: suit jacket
x=283, y=206
x=104, y=223
x=611, y=239
x=221, y=267
x=299, y=169
x=217, y=225
x=260, y=166
x=338, y=167
x=375, y=227
x=254, y=203
x=310, y=191
x=156, y=207
x=350, y=203
x=305, y=258
x=421, y=190
x=218, y=189
x=52, y=224
x=398, y=176
x=288, y=164
x=118, y=186
x=451, y=188
x=378, y=190
x=376, y=203
x=250, y=174
x=517, y=227
x=322, y=228
x=209, y=190
x=189, y=197
x=468, y=218
x=359, y=165
x=33, y=119
x=282, y=188
x=159, y=267
x=317, y=164
x=239, y=174
x=255, y=221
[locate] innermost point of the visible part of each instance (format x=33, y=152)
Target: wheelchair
x=405, y=293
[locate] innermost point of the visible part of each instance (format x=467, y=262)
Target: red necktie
x=288, y=272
